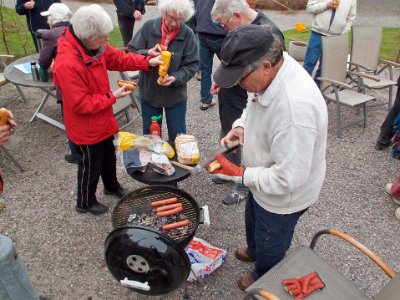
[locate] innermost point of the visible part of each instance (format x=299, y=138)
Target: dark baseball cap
x=241, y=47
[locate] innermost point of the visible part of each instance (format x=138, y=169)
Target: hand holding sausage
x=121, y=93
x=129, y=85
x=166, y=80
x=226, y=170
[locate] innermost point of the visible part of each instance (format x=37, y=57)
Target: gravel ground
x=63, y=250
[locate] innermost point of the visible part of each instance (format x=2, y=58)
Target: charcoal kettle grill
x=143, y=256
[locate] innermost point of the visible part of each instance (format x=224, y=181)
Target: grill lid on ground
x=142, y=254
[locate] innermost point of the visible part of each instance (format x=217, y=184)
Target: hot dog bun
x=4, y=115
x=129, y=85
x=212, y=166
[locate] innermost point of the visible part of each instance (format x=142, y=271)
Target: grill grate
x=138, y=211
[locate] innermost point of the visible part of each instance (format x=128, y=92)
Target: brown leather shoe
x=245, y=281
x=241, y=254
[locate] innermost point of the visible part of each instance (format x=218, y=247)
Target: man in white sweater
x=283, y=131
x=330, y=17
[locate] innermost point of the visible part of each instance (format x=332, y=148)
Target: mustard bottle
x=166, y=58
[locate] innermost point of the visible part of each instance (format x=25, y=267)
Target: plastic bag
x=187, y=149
x=204, y=258
x=161, y=164
x=125, y=140
x=135, y=159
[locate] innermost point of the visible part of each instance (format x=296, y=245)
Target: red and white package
x=204, y=258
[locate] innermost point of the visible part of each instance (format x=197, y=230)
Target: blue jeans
x=176, y=118
x=313, y=55
x=268, y=235
x=209, y=46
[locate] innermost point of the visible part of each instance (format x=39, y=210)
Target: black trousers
x=386, y=133
x=126, y=27
x=231, y=102
x=98, y=160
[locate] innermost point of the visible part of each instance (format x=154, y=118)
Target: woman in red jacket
x=80, y=73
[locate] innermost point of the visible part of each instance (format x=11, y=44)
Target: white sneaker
x=205, y=106
x=397, y=213
x=388, y=189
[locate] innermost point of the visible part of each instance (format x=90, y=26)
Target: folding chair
x=333, y=80
x=365, y=52
x=3, y=61
x=304, y=260
x=10, y=157
x=121, y=107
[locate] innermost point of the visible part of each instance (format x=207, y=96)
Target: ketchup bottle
x=154, y=126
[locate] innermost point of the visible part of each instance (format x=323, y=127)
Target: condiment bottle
x=166, y=58
x=35, y=71
x=154, y=126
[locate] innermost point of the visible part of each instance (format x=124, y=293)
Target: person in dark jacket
x=210, y=36
x=168, y=32
x=128, y=11
x=231, y=14
x=58, y=17
x=80, y=73
x=34, y=19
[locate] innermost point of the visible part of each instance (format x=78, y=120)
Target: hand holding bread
x=7, y=125
x=129, y=85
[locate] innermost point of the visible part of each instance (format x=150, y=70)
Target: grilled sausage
x=164, y=202
x=176, y=225
x=168, y=207
x=170, y=212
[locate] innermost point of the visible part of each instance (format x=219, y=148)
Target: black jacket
x=33, y=18
x=262, y=19
x=126, y=8
x=49, y=44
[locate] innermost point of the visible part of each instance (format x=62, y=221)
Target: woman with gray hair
x=167, y=32
x=80, y=73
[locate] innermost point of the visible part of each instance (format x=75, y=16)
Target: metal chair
x=304, y=260
x=333, y=80
x=121, y=107
x=10, y=157
x=4, y=58
x=365, y=53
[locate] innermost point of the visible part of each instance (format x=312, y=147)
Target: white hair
x=90, y=22
x=226, y=8
x=182, y=8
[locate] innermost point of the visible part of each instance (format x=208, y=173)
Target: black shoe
x=217, y=180
x=379, y=146
x=72, y=159
x=120, y=193
x=95, y=209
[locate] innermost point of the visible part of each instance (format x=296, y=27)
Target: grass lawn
x=390, y=41
x=18, y=41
